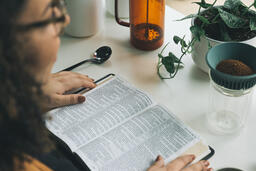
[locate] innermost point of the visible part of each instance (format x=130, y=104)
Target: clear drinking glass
x=228, y=108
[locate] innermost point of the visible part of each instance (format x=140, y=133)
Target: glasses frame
x=60, y=4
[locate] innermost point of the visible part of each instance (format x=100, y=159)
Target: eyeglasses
x=58, y=4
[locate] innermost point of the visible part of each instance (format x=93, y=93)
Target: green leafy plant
x=233, y=21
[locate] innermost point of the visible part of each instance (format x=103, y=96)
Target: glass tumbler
x=228, y=108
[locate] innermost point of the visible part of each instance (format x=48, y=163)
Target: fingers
x=180, y=162
x=158, y=164
x=199, y=166
x=64, y=100
x=72, y=80
x=82, y=83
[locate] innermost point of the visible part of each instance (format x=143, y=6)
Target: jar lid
x=238, y=51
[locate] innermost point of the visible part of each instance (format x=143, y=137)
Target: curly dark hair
x=22, y=129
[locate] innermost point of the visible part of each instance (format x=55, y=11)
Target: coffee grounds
x=234, y=67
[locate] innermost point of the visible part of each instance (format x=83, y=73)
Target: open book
x=120, y=128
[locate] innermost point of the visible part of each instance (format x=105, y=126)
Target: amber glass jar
x=146, y=23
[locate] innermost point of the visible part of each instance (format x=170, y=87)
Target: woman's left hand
x=60, y=83
x=180, y=164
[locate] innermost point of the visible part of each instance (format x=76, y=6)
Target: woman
x=29, y=41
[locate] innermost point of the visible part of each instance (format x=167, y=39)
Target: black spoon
x=229, y=169
x=99, y=56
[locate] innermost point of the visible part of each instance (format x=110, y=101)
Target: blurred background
x=187, y=7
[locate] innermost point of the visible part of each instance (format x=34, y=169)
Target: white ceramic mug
x=123, y=8
x=86, y=17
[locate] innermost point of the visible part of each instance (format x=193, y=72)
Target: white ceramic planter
x=86, y=17
x=201, y=48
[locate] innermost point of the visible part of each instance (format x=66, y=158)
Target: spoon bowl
x=229, y=169
x=100, y=56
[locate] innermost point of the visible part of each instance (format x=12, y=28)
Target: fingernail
x=206, y=163
x=81, y=99
x=158, y=158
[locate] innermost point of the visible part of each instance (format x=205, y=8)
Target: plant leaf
x=231, y=20
x=168, y=63
x=187, y=17
x=224, y=32
x=203, y=4
x=251, y=13
x=176, y=59
x=236, y=7
x=203, y=19
x=160, y=55
x=197, y=32
x=253, y=24
x=176, y=39
x=183, y=43
x=232, y=4
x=254, y=3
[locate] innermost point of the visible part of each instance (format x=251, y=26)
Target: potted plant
x=231, y=22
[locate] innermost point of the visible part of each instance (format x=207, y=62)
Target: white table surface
x=186, y=95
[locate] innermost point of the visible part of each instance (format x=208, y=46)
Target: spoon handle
x=77, y=65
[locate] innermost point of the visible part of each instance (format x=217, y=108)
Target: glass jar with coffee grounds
x=232, y=81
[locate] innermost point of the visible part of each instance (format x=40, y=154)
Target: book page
x=106, y=107
x=134, y=145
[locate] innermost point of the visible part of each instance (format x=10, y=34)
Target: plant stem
x=214, y=3
x=248, y=8
x=159, y=65
x=198, y=12
x=215, y=18
x=158, y=69
x=188, y=47
x=164, y=47
x=159, y=62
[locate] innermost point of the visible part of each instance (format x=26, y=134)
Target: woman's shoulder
x=51, y=161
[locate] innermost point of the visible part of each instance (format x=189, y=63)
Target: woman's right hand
x=180, y=164
x=60, y=83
